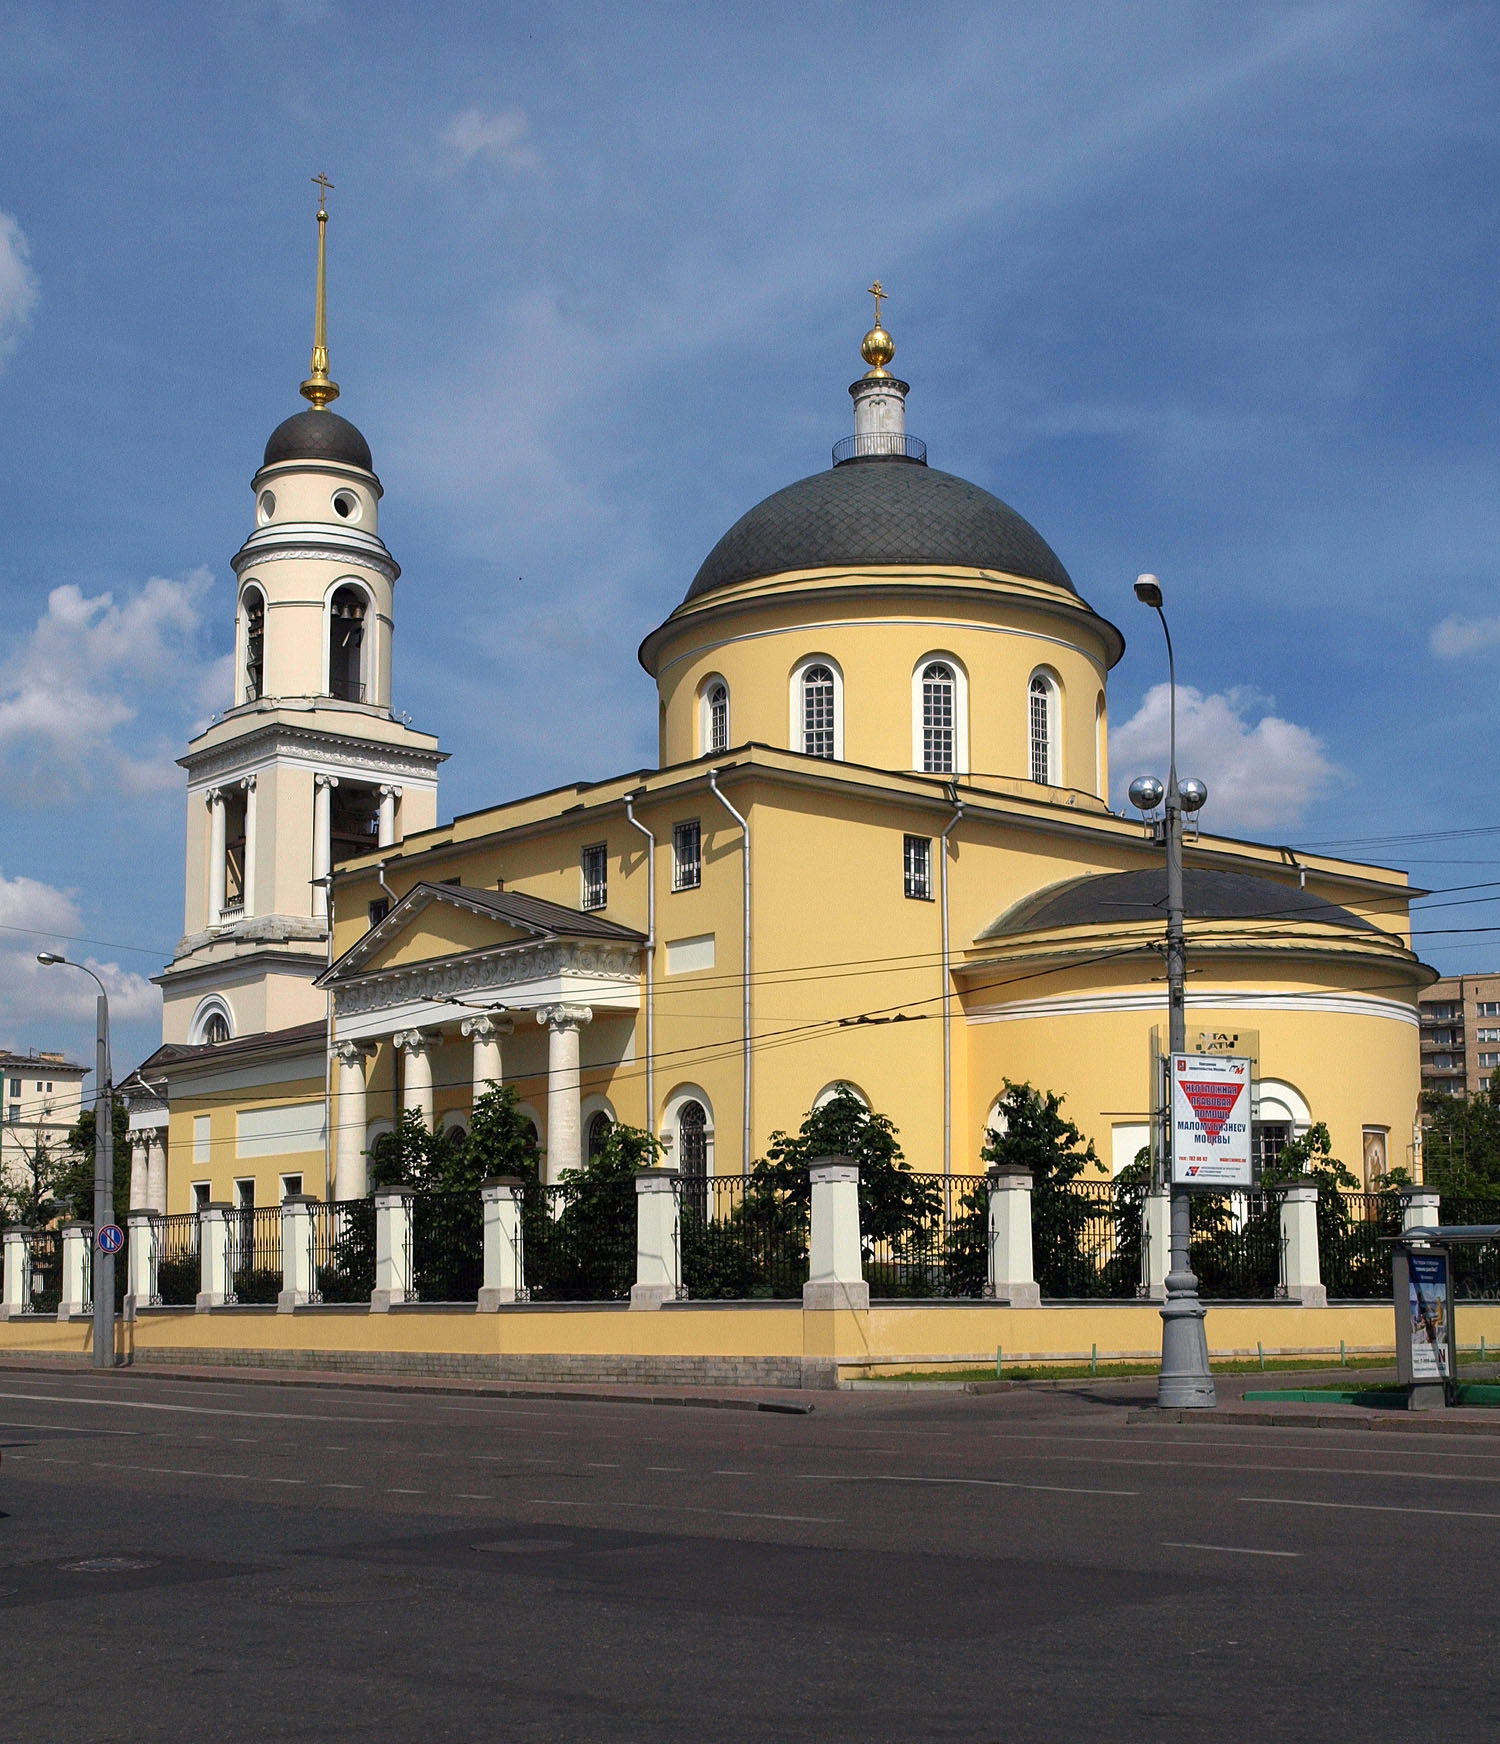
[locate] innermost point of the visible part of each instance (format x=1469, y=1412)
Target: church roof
x=879, y=511
x=1120, y=898
x=318, y=435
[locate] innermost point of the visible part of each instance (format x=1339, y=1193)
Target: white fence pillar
x=299, y=1278
x=142, y=1248
x=15, y=1292
x=835, y=1269
x=393, y=1283
x=1156, y=1244
x=1012, y=1274
x=215, y=1256
x=1419, y=1208
x=1301, y=1271
x=658, y=1241
x=504, y=1260
x=77, y=1276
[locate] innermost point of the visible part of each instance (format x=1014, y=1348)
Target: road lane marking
x=684, y=1508
x=406, y=1492
x=470, y=1496
x=342, y=1486
x=602, y=1464
x=972, y=1483
x=724, y=1472
x=65, y=1428
x=1225, y=1549
x=192, y=1410
x=664, y=1468
x=1370, y=1507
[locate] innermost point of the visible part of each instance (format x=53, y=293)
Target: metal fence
x=46, y=1272
x=1354, y=1250
x=944, y=1252
x=178, y=1269
x=447, y=1246
x=344, y=1250
x=1086, y=1238
x=578, y=1239
x=1476, y=1270
x=1236, y=1244
x=255, y=1253
x=741, y=1241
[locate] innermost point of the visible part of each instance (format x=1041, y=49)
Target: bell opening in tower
x=354, y=821
x=255, y=645
x=235, y=844
x=346, y=644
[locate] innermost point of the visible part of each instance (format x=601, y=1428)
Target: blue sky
x=1199, y=289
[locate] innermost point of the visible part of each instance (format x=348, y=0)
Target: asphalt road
x=231, y=1562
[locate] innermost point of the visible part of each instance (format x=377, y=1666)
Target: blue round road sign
x=111, y=1238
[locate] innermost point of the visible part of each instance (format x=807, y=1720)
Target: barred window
x=1043, y=730
x=717, y=736
x=599, y=1129
x=917, y=859
x=378, y=910
x=938, y=717
x=687, y=856
x=594, y=864
x=819, y=737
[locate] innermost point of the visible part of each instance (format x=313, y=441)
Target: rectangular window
x=687, y=856
x=201, y=1153
x=15, y=1086
x=244, y=1194
x=291, y=1186
x=594, y=864
x=1442, y=1062
x=1488, y=1035
x=378, y=910
x=200, y=1195
x=1489, y=1061
x=1489, y=1008
x=917, y=859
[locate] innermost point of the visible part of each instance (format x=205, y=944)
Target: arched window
x=692, y=1156
x=716, y=717
x=1042, y=716
x=599, y=1129
x=215, y=1028
x=346, y=640
x=1101, y=749
x=255, y=644
x=819, y=711
x=213, y=1022
x=939, y=718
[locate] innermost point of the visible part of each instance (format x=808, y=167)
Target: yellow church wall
x=225, y=1164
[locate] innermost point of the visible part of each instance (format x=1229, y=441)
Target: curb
x=1398, y=1423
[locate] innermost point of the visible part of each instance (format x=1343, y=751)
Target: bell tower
x=308, y=764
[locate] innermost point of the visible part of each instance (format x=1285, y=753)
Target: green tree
x=580, y=1234
x=1461, y=1144
x=76, y=1180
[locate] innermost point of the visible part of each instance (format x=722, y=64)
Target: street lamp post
x=1185, y=1378
x=104, y=1169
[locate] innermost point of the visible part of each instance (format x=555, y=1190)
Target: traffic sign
x=111, y=1238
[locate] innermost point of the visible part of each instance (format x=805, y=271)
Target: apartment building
x=1460, y=1017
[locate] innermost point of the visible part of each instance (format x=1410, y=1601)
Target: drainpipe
x=958, y=812
x=395, y=1063
x=328, y=1056
x=635, y=823
x=713, y=782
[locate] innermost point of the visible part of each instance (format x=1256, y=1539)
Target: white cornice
x=1092, y=1004
x=613, y=970
x=326, y=750
x=311, y=539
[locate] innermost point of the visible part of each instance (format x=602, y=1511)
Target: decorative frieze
x=484, y=971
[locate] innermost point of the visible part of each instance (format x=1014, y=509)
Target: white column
x=77, y=1239
x=1012, y=1274
x=1419, y=1208
x=414, y=1051
x=215, y=855
x=486, y=1033
x=1156, y=1243
x=248, y=881
x=298, y=1271
x=139, y=1151
x=658, y=1243
x=392, y=1249
x=504, y=1262
x=351, y=1168
x=836, y=1270
x=215, y=1244
x=15, y=1297
x=387, y=816
x=1301, y=1274
x=156, y=1170
x=564, y=1105
x=323, y=786
x=142, y=1248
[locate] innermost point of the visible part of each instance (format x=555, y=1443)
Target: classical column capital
x=213, y=797
x=564, y=1016
x=247, y=783
x=325, y=781
x=352, y=1053
x=489, y=1028
x=415, y=1041
x=389, y=791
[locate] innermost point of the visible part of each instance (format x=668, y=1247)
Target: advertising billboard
x=1211, y=1100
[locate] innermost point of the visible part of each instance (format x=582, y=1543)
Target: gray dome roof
x=878, y=511
x=315, y=435
x=1102, y=899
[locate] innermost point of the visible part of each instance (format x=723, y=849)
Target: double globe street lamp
x=104, y=1169
x=1185, y=1379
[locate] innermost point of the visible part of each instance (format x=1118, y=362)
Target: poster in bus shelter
x=1210, y=1120
x=1428, y=1291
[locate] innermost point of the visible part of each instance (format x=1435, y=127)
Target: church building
x=877, y=850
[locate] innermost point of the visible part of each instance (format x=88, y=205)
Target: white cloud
x=475, y=135
x=18, y=285
x=1457, y=636
x=33, y=999
x=75, y=684
x=1260, y=777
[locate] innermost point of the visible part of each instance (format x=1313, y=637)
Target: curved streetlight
x=104, y=1168
x=1185, y=1378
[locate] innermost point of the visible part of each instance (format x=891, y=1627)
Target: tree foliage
x=1461, y=1146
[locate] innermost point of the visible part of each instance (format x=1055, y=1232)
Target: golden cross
x=323, y=186
x=877, y=291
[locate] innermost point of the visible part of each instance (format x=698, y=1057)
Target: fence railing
x=447, y=1246
x=1354, y=1250
x=255, y=1253
x=344, y=1250
x=1236, y=1244
x=178, y=1267
x=942, y=1253
x=1476, y=1270
x=46, y=1272
x=578, y=1239
x=741, y=1241
x=1086, y=1238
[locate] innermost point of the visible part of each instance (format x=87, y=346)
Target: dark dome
x=1102, y=899
x=315, y=435
x=878, y=511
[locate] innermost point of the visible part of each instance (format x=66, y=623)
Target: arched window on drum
x=692, y=1156
x=599, y=1130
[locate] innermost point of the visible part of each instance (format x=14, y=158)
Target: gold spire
x=319, y=387
x=878, y=347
